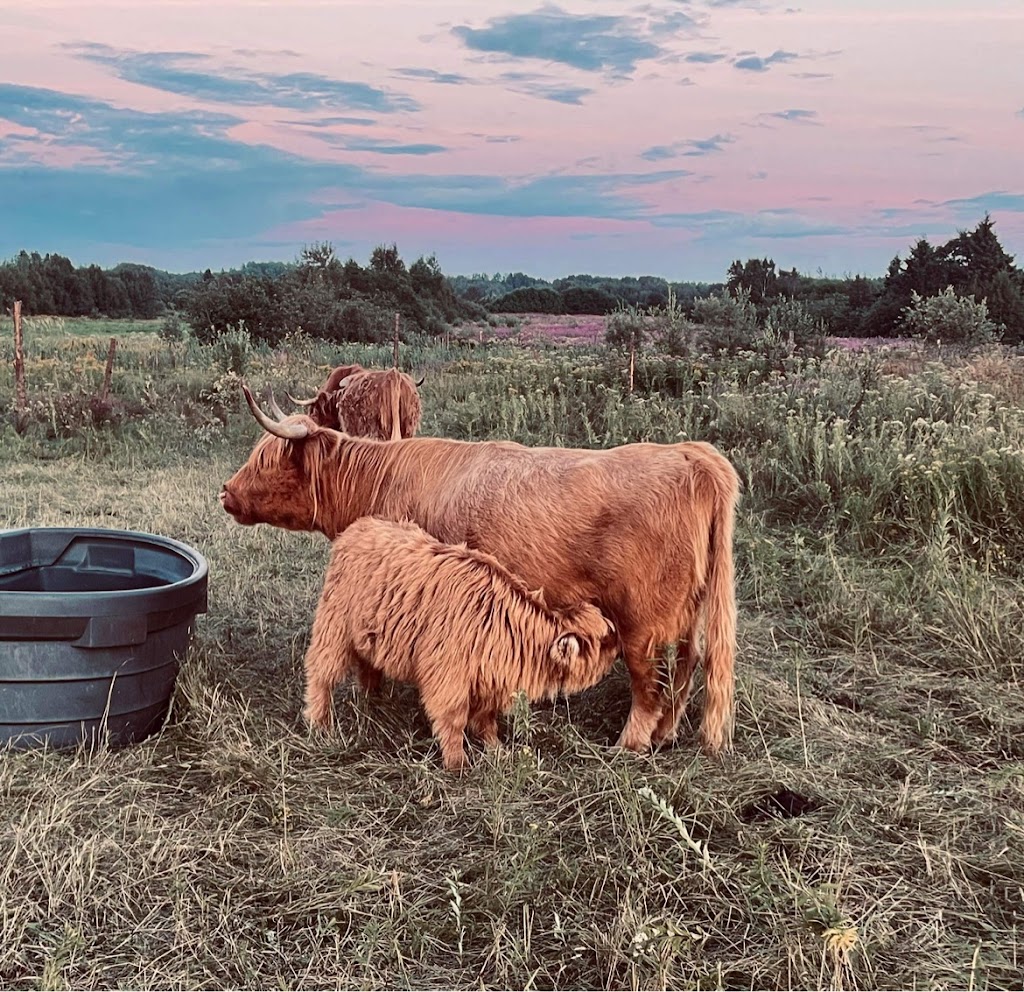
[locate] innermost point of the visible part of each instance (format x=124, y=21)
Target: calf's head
x=280, y=483
x=585, y=648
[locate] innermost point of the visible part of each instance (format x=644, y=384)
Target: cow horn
x=290, y=432
x=422, y=380
x=274, y=408
x=337, y=376
x=300, y=402
x=344, y=382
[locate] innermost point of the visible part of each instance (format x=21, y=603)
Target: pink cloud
x=919, y=105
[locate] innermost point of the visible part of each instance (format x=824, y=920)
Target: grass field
x=880, y=571
x=51, y=328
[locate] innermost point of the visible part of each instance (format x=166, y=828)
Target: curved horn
x=290, y=432
x=341, y=373
x=300, y=402
x=422, y=380
x=274, y=408
x=344, y=382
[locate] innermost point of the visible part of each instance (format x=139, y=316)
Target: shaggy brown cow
x=643, y=531
x=453, y=622
x=368, y=402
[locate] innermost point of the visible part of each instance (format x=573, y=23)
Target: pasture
x=866, y=832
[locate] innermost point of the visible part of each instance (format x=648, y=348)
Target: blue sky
x=668, y=137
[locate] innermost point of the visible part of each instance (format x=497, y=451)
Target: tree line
x=516, y=292
x=329, y=299
x=325, y=297
x=973, y=263
x=50, y=284
x=346, y=301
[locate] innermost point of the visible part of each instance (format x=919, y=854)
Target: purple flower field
x=589, y=329
x=566, y=328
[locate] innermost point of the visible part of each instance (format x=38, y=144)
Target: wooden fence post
x=20, y=393
x=108, y=372
x=632, y=360
x=394, y=358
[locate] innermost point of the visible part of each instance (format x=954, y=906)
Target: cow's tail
x=395, y=389
x=720, y=613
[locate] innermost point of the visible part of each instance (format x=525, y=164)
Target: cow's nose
x=228, y=501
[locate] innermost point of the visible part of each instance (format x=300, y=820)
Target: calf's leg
x=369, y=677
x=448, y=715
x=484, y=724
x=327, y=664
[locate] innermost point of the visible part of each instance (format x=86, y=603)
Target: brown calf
x=451, y=621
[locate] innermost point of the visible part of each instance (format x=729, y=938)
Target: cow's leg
x=484, y=725
x=648, y=697
x=448, y=717
x=687, y=656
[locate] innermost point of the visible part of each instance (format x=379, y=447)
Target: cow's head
x=327, y=407
x=323, y=407
x=339, y=375
x=585, y=648
x=281, y=482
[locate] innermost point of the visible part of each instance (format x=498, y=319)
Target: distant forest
x=346, y=301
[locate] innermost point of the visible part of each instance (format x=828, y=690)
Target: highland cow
x=367, y=402
x=643, y=531
x=451, y=621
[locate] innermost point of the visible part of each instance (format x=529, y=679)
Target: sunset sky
x=665, y=137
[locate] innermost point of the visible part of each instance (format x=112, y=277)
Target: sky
x=661, y=137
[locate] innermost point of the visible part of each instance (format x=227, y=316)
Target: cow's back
x=602, y=525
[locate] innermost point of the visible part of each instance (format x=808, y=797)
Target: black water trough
x=93, y=624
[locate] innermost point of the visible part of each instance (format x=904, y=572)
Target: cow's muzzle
x=230, y=502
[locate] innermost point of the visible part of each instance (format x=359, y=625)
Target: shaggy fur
x=374, y=403
x=451, y=621
x=644, y=531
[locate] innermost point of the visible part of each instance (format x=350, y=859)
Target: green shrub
x=949, y=319
x=173, y=329
x=232, y=349
x=728, y=322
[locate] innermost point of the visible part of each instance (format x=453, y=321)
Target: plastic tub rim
x=108, y=602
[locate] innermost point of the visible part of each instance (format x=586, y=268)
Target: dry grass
x=868, y=832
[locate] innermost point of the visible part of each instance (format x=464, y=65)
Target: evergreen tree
x=926, y=272
x=978, y=256
x=1005, y=299
x=757, y=276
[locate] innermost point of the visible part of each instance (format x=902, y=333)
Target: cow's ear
x=566, y=649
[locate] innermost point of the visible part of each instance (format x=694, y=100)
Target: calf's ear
x=566, y=649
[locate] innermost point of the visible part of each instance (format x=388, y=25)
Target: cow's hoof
x=633, y=742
